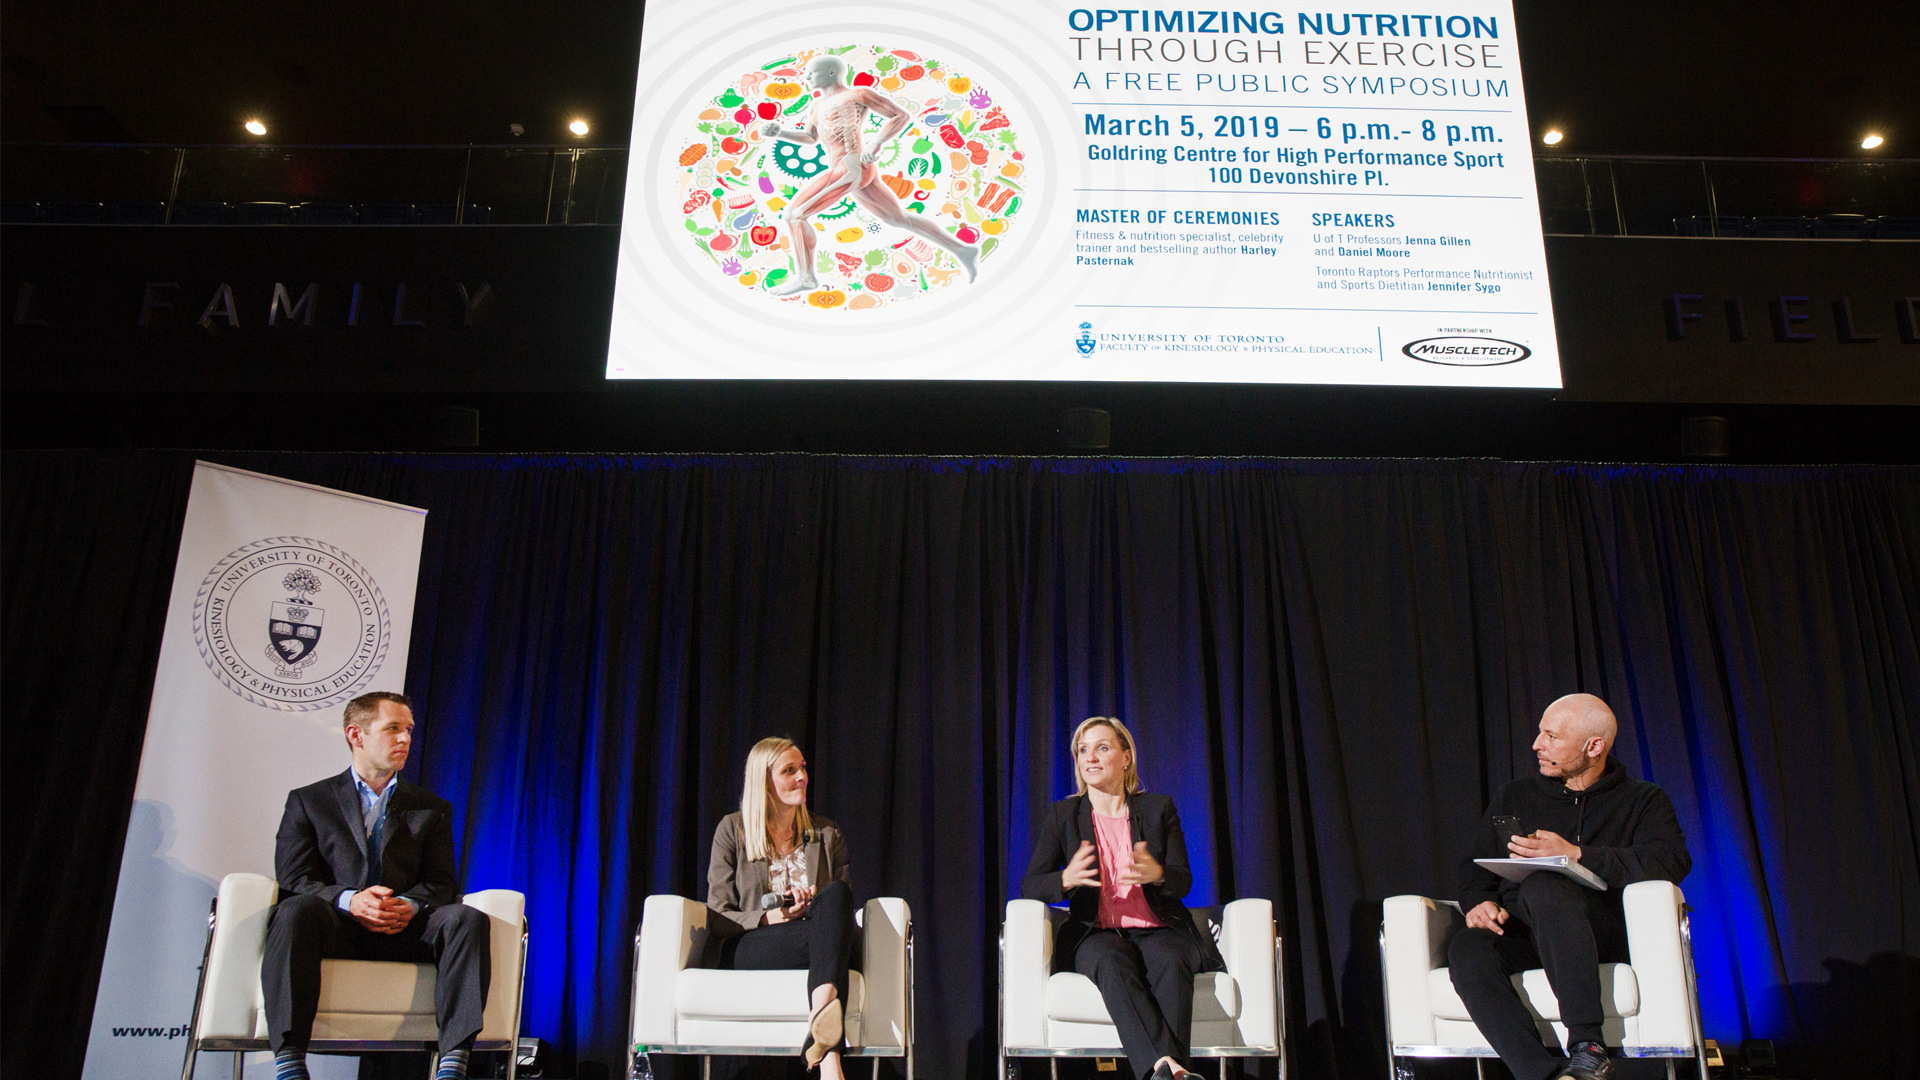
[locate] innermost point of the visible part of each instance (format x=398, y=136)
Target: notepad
x=1518, y=869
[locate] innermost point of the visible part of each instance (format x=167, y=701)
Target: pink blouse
x=1120, y=905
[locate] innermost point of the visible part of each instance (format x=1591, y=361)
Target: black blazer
x=322, y=846
x=1058, y=836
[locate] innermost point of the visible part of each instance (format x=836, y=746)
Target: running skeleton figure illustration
x=834, y=122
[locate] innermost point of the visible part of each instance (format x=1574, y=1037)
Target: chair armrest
x=885, y=923
x=231, y=997
x=1026, y=961
x=1659, y=954
x=663, y=949
x=506, y=913
x=1247, y=945
x=1414, y=932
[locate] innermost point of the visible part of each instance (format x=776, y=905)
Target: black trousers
x=822, y=942
x=306, y=929
x=1553, y=924
x=1145, y=977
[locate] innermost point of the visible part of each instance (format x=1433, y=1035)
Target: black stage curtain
x=88, y=543
x=1329, y=664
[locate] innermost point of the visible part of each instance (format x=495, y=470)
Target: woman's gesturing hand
x=1146, y=870
x=1083, y=869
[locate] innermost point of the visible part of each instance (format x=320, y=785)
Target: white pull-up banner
x=288, y=600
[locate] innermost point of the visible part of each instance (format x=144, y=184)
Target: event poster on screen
x=970, y=190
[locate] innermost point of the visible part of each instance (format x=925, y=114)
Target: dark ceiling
x=1720, y=78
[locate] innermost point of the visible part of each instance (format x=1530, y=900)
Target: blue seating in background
x=1896, y=228
x=1777, y=227
x=263, y=213
x=385, y=213
x=442, y=214
x=323, y=213
x=202, y=213
x=78, y=213
x=137, y=213
x=1704, y=225
x=1842, y=227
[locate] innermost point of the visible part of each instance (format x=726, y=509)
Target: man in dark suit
x=366, y=869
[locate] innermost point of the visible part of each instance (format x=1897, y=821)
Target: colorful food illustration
x=960, y=163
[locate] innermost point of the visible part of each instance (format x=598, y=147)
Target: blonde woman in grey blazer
x=782, y=885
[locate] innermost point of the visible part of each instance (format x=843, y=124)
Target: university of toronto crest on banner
x=288, y=599
x=259, y=623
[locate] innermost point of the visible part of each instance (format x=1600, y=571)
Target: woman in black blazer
x=1117, y=857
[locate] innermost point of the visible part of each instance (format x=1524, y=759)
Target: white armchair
x=364, y=1004
x=1652, y=1008
x=679, y=1009
x=1237, y=1013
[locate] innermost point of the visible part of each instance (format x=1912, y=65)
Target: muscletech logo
x=1085, y=342
x=258, y=627
x=1466, y=351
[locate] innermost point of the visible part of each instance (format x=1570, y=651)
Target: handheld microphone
x=772, y=900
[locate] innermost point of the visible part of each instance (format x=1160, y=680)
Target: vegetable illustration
x=735, y=181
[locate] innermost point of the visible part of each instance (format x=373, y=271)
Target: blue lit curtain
x=1330, y=665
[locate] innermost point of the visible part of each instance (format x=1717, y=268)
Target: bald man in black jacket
x=1583, y=805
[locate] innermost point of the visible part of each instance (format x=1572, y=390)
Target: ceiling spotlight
x=578, y=127
x=1870, y=142
x=1552, y=138
x=517, y=129
x=255, y=127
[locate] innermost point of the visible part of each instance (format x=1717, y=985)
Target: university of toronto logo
x=259, y=629
x=1085, y=342
x=294, y=627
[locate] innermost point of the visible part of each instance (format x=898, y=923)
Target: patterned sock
x=453, y=1064
x=290, y=1064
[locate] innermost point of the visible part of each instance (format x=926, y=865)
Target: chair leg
x=706, y=1067
x=239, y=1065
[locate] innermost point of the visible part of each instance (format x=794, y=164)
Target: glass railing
x=1729, y=197
x=313, y=185
x=70, y=183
